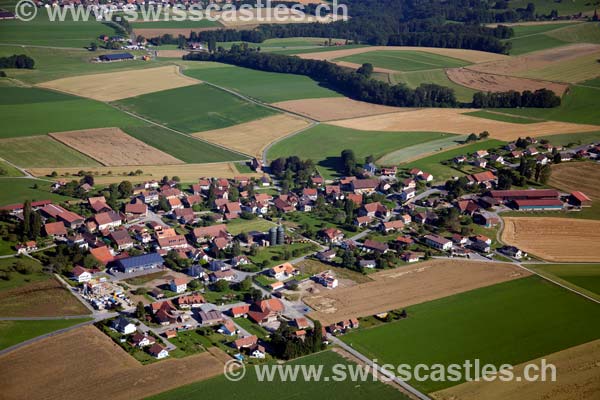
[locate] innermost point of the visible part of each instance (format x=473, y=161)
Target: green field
x=333, y=139
x=250, y=388
x=32, y=111
x=592, y=82
x=317, y=49
x=432, y=164
x=42, y=151
x=421, y=150
x=183, y=147
x=582, y=277
x=53, y=63
x=404, y=61
x=578, y=33
x=194, y=108
x=580, y=105
x=14, y=332
x=530, y=38
x=41, y=31
x=563, y=7
x=203, y=23
x=7, y=170
x=576, y=138
x=437, y=76
x=502, y=117
x=577, y=70
x=239, y=225
x=511, y=322
x=269, y=87
x=535, y=42
x=17, y=279
x=17, y=190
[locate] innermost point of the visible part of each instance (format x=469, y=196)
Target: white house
x=158, y=351
x=407, y=194
x=438, y=242
x=81, y=275
x=178, y=285
x=124, y=326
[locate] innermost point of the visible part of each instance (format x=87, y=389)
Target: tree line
x=20, y=61
x=358, y=84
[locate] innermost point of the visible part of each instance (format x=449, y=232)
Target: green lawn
x=194, y=108
x=438, y=76
x=535, y=42
x=576, y=138
x=333, y=140
x=399, y=60
x=42, y=31
x=432, y=164
x=183, y=147
x=502, y=117
x=266, y=254
x=53, y=64
x=7, y=170
x=17, y=190
x=16, y=279
x=32, y=111
x=269, y=87
x=42, y=151
x=240, y=225
x=251, y=327
x=250, y=388
x=188, y=343
x=14, y=332
x=511, y=322
x=421, y=150
x=582, y=277
x=580, y=105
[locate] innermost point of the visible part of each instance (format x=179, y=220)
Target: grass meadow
x=14, y=332
x=269, y=87
x=183, y=147
x=42, y=151
x=582, y=277
x=404, y=61
x=333, y=139
x=30, y=111
x=502, y=117
x=194, y=108
x=438, y=76
x=510, y=322
x=17, y=190
x=251, y=388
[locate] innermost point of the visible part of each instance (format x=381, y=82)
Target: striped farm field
x=403, y=61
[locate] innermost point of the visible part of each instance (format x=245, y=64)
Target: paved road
x=381, y=371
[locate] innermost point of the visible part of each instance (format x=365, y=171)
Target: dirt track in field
x=40, y=299
x=408, y=285
x=123, y=84
x=113, y=147
x=554, y=239
x=187, y=172
x=334, y=108
x=581, y=176
x=500, y=83
x=254, y=136
x=536, y=60
x=85, y=363
x=577, y=372
x=454, y=120
x=473, y=56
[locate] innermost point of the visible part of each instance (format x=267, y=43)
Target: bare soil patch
x=405, y=286
x=474, y=56
x=584, y=176
x=536, y=60
x=187, y=172
x=120, y=85
x=454, y=120
x=500, y=83
x=554, y=239
x=40, y=299
x=577, y=372
x=334, y=108
x=112, y=146
x=254, y=136
x=62, y=369
x=172, y=53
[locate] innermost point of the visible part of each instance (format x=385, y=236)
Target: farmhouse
x=245, y=342
x=529, y=194
x=178, y=285
x=190, y=301
x=108, y=220
x=139, y=263
x=122, y=239
x=392, y=226
x=332, y=235
x=239, y=311
x=362, y=221
x=373, y=245
x=364, y=186
x=210, y=317
x=55, y=230
x=283, y=271
x=438, y=242
x=208, y=233
x=172, y=242
x=102, y=254
x=265, y=311
x=81, y=274
x=374, y=210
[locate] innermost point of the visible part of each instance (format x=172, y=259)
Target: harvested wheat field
x=92, y=366
x=187, y=172
x=112, y=146
x=577, y=372
x=500, y=83
x=409, y=285
x=554, y=239
x=175, y=32
x=571, y=177
x=454, y=120
x=254, y=136
x=474, y=56
x=40, y=299
x=536, y=60
x=329, y=109
x=172, y=53
x=120, y=85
